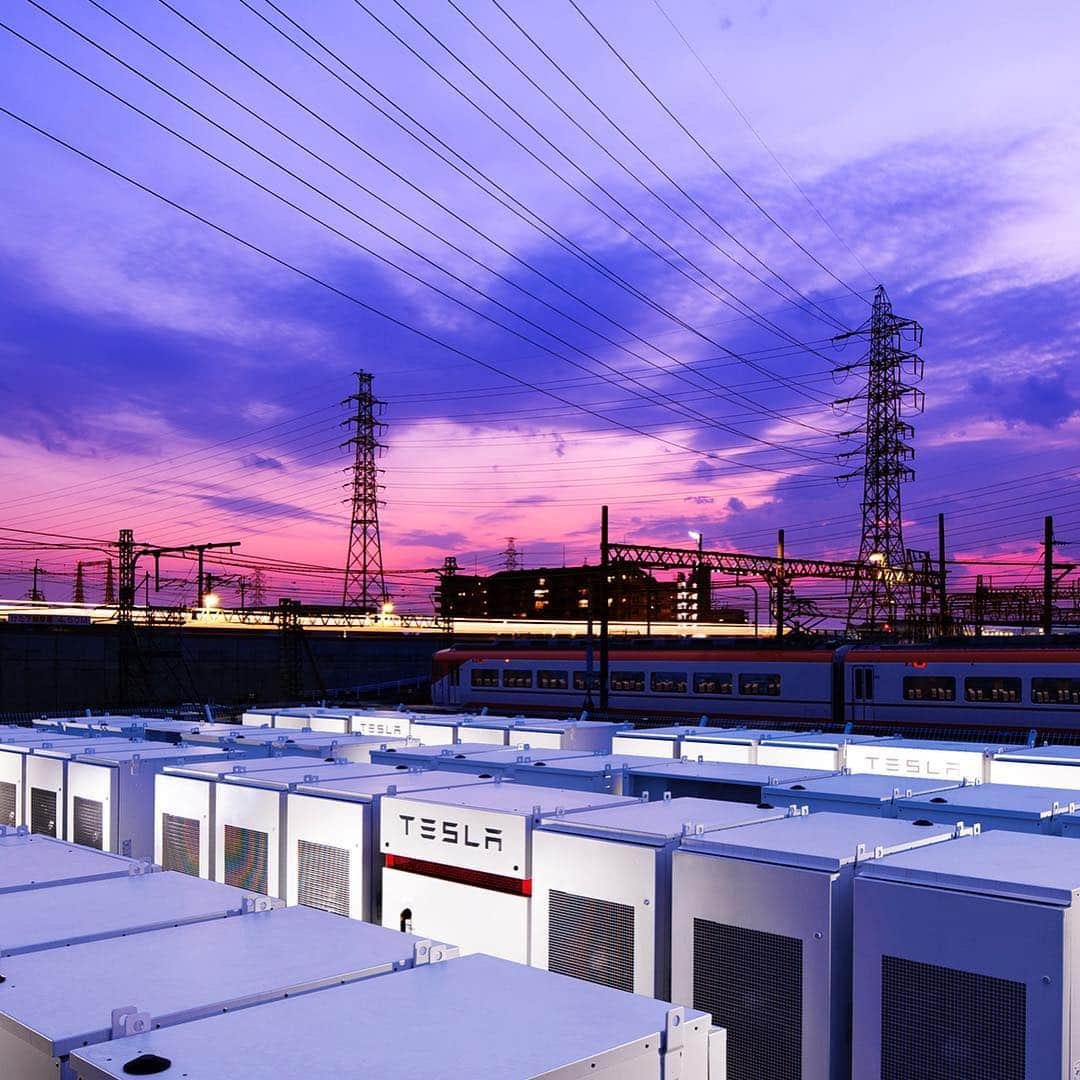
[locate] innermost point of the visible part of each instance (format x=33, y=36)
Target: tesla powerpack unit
x=176, y=731
x=458, y=863
x=582, y=772
x=110, y=796
x=430, y=756
x=185, y=797
x=29, y=862
x=655, y=742
x=319, y=744
x=332, y=857
x=387, y=723
x=592, y=735
x=761, y=936
x=497, y=730
x=436, y=730
x=1038, y=766
x=814, y=750
x=534, y=1024
x=257, y=718
x=300, y=719
x=45, y=770
x=249, y=821
x=115, y=906
x=60, y=1000
x=855, y=793
x=994, y=806
x=728, y=744
x=925, y=758
x=601, y=908
x=966, y=961
x=505, y=761
x=727, y=780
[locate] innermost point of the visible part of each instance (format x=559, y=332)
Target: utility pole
x=110, y=586
x=605, y=654
x=943, y=579
x=511, y=555
x=80, y=587
x=445, y=593
x=781, y=587
x=1048, y=576
x=365, y=585
x=882, y=581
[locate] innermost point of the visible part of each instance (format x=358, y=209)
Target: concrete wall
x=71, y=667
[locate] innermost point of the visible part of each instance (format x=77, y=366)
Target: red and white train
x=1016, y=688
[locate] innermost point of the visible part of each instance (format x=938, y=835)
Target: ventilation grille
x=940, y=1023
x=7, y=804
x=180, y=844
x=245, y=859
x=751, y=982
x=43, y=811
x=323, y=877
x=87, y=830
x=591, y=939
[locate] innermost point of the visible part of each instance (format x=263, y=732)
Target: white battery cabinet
x=655, y=742
x=601, y=908
x=814, y=750
x=728, y=780
x=45, y=771
x=855, y=793
x=926, y=758
x=504, y=761
x=728, y=744
x=110, y=796
x=592, y=735
x=1038, y=766
x=249, y=821
x=185, y=797
x=458, y=864
x=967, y=963
x=386, y=723
x=496, y=730
x=176, y=731
x=436, y=730
x=431, y=756
x=761, y=936
x=94, y=993
x=1015, y=807
x=317, y=744
x=463, y=1019
x=29, y=863
x=332, y=859
x=115, y=907
x=581, y=772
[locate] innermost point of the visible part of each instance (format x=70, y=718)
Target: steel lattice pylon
x=883, y=580
x=365, y=586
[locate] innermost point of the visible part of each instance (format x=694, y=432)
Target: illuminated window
x=580, y=678
x=518, y=678
x=709, y=683
x=1055, y=691
x=551, y=680
x=760, y=685
x=485, y=677
x=991, y=689
x=628, y=682
x=668, y=682
x=929, y=688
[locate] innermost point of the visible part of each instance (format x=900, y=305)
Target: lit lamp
x=211, y=600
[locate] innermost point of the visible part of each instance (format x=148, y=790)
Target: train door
x=862, y=694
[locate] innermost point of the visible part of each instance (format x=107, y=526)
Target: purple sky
x=156, y=374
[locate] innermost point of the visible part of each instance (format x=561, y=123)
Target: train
x=893, y=687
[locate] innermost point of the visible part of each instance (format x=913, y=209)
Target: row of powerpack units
x=758, y=911
x=110, y=968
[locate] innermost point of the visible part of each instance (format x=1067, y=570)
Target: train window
x=668, y=682
x=1055, y=691
x=864, y=684
x=580, y=683
x=485, y=677
x=992, y=688
x=706, y=682
x=551, y=680
x=628, y=681
x=518, y=678
x=760, y=685
x=929, y=688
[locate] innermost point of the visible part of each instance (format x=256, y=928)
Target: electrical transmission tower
x=511, y=555
x=365, y=586
x=892, y=368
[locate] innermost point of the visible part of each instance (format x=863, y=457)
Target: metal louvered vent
x=245, y=859
x=7, y=804
x=323, y=877
x=180, y=844
x=940, y=1023
x=591, y=939
x=751, y=982
x=88, y=825
x=43, y=811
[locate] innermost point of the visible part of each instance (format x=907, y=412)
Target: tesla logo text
x=451, y=832
x=914, y=767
